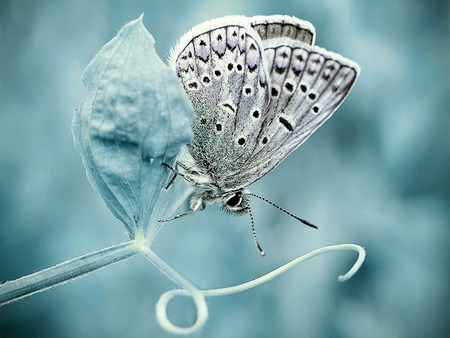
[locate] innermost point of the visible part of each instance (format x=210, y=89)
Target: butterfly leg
x=187, y=178
x=199, y=205
x=177, y=216
x=170, y=181
x=182, y=165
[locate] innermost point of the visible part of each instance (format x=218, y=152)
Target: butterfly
x=259, y=88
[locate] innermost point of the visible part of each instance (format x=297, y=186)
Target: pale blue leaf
x=134, y=116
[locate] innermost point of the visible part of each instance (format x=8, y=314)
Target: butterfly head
x=235, y=202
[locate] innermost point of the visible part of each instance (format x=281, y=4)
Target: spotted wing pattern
x=222, y=72
x=307, y=84
x=259, y=89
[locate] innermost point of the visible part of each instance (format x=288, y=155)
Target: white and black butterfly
x=259, y=88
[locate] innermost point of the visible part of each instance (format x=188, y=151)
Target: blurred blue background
x=376, y=174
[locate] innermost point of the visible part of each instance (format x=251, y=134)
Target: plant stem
x=166, y=297
x=189, y=288
x=282, y=269
x=198, y=295
x=64, y=272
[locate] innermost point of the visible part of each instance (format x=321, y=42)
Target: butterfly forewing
x=222, y=72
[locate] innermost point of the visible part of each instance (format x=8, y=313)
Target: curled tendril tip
x=198, y=295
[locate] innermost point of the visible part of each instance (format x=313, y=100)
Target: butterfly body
x=259, y=89
x=207, y=191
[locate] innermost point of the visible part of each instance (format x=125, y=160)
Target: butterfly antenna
x=261, y=251
x=285, y=211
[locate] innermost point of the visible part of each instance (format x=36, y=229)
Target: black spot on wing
x=289, y=86
x=279, y=70
x=230, y=107
x=286, y=123
x=252, y=68
x=193, y=85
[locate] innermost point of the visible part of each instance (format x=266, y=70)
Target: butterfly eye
x=235, y=200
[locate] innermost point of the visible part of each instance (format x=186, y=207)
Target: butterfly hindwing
x=307, y=84
x=278, y=27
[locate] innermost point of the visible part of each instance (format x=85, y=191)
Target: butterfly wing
x=277, y=27
x=307, y=84
x=219, y=64
x=259, y=89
